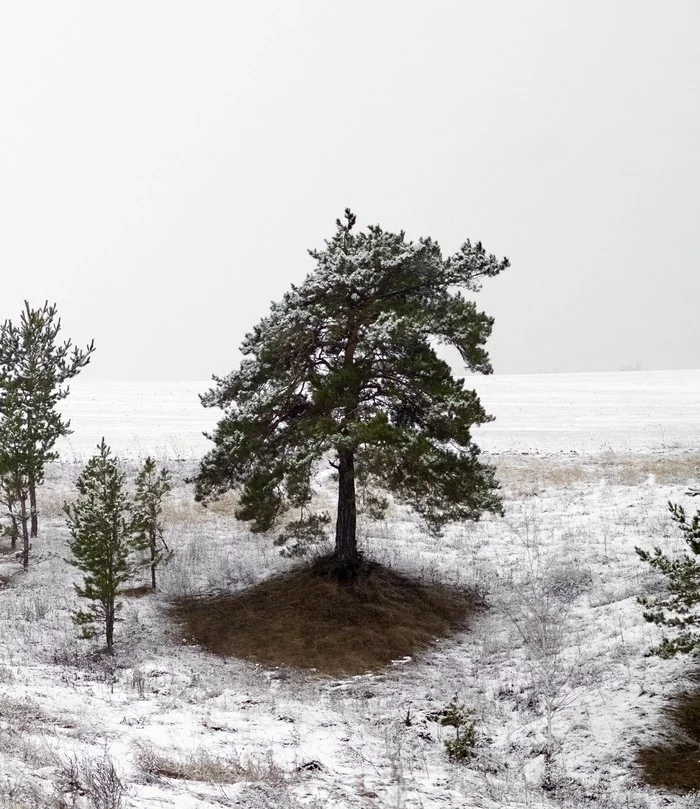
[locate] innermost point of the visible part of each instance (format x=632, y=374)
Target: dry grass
x=674, y=765
x=632, y=470
x=204, y=766
x=305, y=619
x=523, y=475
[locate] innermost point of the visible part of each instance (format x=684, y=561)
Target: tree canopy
x=344, y=369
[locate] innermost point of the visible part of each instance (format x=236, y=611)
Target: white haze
x=164, y=166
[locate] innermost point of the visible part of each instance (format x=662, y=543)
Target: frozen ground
x=587, y=463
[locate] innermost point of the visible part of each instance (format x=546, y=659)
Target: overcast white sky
x=164, y=167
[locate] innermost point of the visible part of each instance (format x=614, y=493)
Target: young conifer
x=151, y=488
x=15, y=466
x=344, y=370
x=680, y=607
x=36, y=367
x=102, y=533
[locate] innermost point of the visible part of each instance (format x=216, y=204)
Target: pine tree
x=15, y=467
x=35, y=368
x=151, y=488
x=344, y=369
x=679, y=608
x=102, y=533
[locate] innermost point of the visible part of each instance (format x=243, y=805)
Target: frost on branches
x=343, y=370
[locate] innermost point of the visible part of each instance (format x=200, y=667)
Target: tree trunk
x=153, y=559
x=32, y=506
x=109, y=623
x=347, y=558
x=14, y=531
x=24, y=519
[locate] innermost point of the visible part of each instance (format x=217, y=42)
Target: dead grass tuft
x=137, y=592
x=204, y=766
x=305, y=619
x=674, y=765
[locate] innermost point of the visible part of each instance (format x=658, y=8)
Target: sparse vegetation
x=202, y=765
x=92, y=781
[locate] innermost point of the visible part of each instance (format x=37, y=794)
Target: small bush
x=95, y=779
x=454, y=715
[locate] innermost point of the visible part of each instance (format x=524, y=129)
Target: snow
x=587, y=463
x=626, y=411
x=545, y=413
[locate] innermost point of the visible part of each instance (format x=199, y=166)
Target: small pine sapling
x=102, y=533
x=679, y=607
x=454, y=715
x=151, y=488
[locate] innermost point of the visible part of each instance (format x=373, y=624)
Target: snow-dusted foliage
x=344, y=367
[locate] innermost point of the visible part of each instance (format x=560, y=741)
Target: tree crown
x=34, y=368
x=346, y=362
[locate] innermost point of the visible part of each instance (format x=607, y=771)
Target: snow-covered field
x=587, y=462
x=587, y=413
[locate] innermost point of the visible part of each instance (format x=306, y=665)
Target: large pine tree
x=344, y=369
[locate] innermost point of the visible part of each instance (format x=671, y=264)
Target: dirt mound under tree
x=306, y=619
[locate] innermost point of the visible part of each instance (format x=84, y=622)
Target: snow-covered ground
x=587, y=463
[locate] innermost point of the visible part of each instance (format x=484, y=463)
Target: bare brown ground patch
x=674, y=764
x=306, y=619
